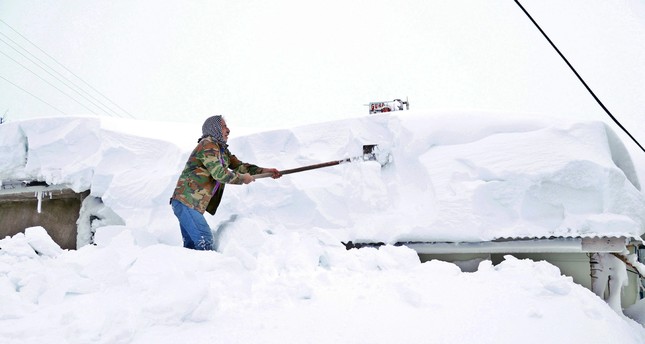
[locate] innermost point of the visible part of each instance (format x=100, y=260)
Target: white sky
x=286, y=62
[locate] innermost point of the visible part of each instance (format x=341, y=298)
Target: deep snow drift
x=453, y=177
x=281, y=274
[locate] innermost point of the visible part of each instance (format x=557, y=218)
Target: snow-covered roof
x=457, y=177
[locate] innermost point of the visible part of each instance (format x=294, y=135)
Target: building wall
x=58, y=215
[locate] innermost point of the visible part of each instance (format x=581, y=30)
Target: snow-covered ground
x=281, y=273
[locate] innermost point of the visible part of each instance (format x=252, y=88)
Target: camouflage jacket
x=208, y=169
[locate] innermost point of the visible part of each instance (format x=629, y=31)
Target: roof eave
x=544, y=245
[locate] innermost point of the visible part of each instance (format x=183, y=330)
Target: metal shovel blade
x=373, y=153
x=370, y=153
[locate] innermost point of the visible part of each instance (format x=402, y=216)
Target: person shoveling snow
x=201, y=184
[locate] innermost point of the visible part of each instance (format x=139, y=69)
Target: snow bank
x=453, y=177
x=281, y=273
x=127, y=171
x=122, y=292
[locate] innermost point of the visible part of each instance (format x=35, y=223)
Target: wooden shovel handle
x=303, y=168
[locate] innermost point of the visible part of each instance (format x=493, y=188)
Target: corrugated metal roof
x=526, y=245
x=577, y=235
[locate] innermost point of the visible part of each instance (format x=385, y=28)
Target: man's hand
x=275, y=172
x=247, y=178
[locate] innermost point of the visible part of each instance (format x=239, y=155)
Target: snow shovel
x=370, y=153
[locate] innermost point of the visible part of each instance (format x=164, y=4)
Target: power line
x=49, y=83
x=61, y=75
x=48, y=72
x=579, y=77
x=69, y=71
x=33, y=95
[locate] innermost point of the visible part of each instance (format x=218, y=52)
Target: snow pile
x=297, y=291
x=97, y=155
x=453, y=177
x=34, y=242
x=281, y=273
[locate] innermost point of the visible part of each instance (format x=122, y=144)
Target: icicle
x=39, y=196
x=608, y=278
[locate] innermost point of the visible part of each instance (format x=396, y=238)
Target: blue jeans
x=195, y=231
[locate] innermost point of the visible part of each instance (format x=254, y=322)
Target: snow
x=618, y=279
x=281, y=273
x=93, y=215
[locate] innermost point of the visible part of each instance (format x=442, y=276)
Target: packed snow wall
x=453, y=177
x=71, y=160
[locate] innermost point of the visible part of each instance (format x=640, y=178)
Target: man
x=201, y=184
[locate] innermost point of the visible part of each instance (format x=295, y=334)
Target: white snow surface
x=281, y=274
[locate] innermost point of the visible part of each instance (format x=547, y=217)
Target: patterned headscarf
x=213, y=127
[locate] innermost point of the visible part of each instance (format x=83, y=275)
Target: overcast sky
x=286, y=62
